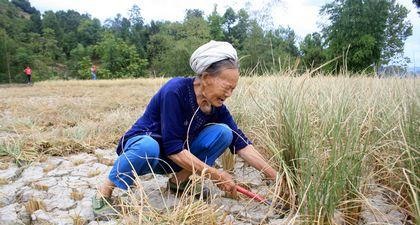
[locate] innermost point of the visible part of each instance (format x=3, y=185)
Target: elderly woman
x=185, y=128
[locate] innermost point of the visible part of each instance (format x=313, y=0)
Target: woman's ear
x=205, y=78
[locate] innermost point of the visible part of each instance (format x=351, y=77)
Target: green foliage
x=269, y=51
x=83, y=68
x=313, y=54
x=139, y=36
x=240, y=31
x=120, y=59
x=363, y=41
x=24, y=5
x=64, y=44
x=49, y=48
x=215, y=24
x=255, y=47
x=120, y=26
x=50, y=21
x=170, y=49
x=89, y=32
x=229, y=18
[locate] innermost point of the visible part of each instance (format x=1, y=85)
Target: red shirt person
x=28, y=73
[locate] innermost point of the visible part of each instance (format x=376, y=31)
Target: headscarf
x=210, y=53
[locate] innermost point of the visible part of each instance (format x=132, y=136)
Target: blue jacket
x=169, y=114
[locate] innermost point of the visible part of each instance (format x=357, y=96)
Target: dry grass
x=76, y=195
x=33, y=205
x=103, y=160
x=329, y=136
x=228, y=161
x=4, y=166
x=94, y=173
x=40, y=187
x=49, y=167
x=65, y=117
x=3, y=181
x=78, y=220
x=137, y=209
x=77, y=162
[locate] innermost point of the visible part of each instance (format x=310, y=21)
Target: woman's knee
x=225, y=133
x=146, y=146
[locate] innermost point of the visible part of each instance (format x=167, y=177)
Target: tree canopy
x=65, y=44
x=366, y=33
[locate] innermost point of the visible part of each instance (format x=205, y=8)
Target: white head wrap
x=210, y=53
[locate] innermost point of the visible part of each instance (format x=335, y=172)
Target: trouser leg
x=140, y=155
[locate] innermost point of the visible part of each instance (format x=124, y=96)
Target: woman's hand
x=188, y=161
x=225, y=182
x=256, y=160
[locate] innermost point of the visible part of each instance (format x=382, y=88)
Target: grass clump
x=332, y=136
x=33, y=205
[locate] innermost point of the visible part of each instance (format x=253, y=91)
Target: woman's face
x=218, y=88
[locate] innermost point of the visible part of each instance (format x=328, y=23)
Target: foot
x=102, y=207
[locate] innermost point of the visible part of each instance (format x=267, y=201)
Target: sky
x=301, y=15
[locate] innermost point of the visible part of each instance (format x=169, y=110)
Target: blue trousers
x=142, y=154
x=93, y=76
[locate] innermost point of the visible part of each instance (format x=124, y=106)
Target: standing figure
x=28, y=73
x=93, y=72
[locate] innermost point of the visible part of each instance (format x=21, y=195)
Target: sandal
x=101, y=207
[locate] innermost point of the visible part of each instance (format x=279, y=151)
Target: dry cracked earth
x=59, y=190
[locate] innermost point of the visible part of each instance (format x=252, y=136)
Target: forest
x=361, y=36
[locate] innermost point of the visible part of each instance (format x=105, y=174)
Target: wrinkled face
x=218, y=88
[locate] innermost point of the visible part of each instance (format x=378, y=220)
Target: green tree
x=119, y=58
x=229, y=18
x=158, y=45
x=120, y=26
x=138, y=35
x=6, y=50
x=254, y=53
x=358, y=30
x=49, y=47
x=35, y=25
x=396, y=32
x=169, y=49
x=80, y=62
x=215, y=22
x=284, y=41
x=50, y=21
x=89, y=32
x=194, y=27
x=69, y=22
x=312, y=50
x=241, y=29
x=193, y=13
x=25, y=5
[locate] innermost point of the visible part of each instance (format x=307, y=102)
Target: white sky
x=301, y=15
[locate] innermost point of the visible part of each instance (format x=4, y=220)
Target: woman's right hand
x=225, y=182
